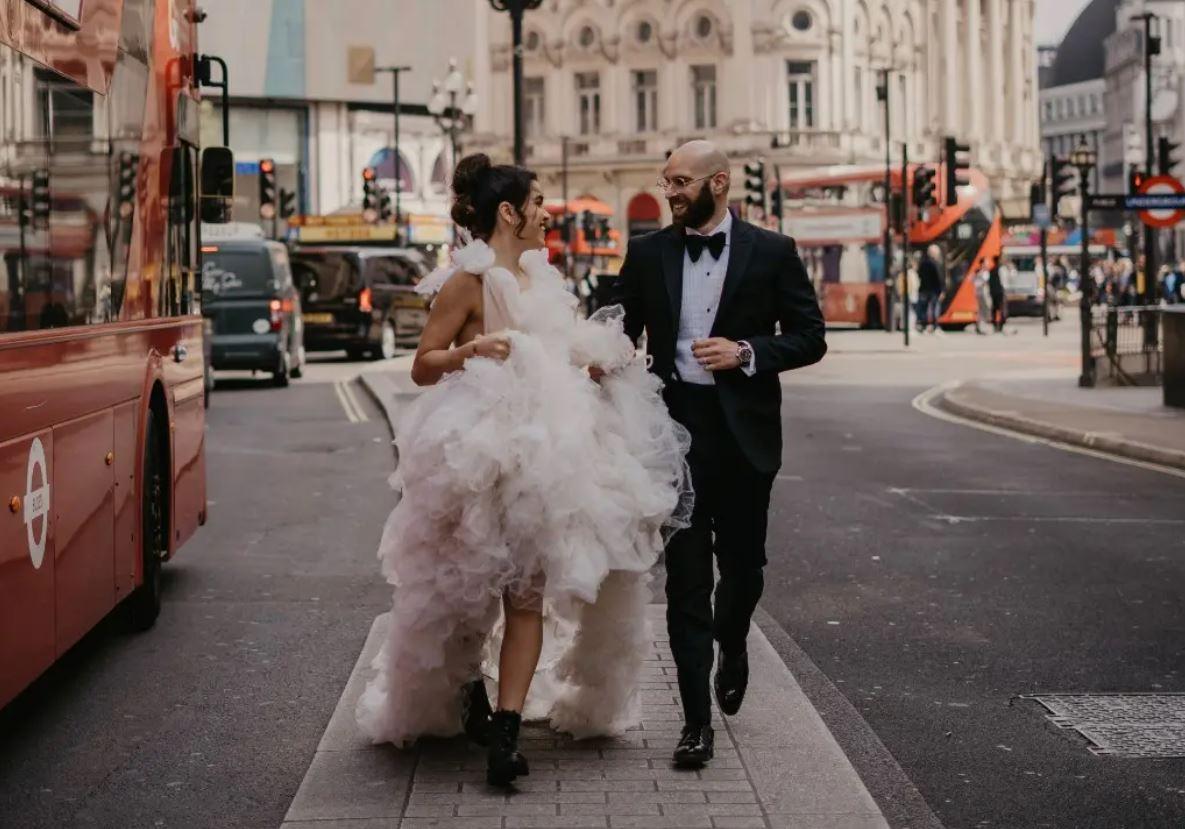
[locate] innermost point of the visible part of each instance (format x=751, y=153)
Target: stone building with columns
x=624, y=81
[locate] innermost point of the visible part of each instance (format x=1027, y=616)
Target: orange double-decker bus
x=102, y=468
x=839, y=230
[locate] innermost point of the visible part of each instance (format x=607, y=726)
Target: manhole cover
x=1122, y=725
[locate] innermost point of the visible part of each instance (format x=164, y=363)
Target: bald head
x=698, y=177
x=701, y=158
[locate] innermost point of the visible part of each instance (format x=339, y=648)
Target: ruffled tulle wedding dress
x=527, y=478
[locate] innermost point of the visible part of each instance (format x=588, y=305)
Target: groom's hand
x=716, y=354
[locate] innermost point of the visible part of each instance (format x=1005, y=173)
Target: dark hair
x=480, y=186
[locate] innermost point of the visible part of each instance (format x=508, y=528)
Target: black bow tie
x=714, y=243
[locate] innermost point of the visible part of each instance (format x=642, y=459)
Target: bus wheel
x=144, y=604
x=872, y=315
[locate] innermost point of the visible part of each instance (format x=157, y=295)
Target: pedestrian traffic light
x=1135, y=179
x=128, y=167
x=41, y=198
x=776, y=201
x=755, y=184
x=287, y=203
x=923, y=187
x=370, y=195
x=955, y=164
x=1164, y=155
x=603, y=230
x=267, y=188
x=588, y=224
x=1062, y=181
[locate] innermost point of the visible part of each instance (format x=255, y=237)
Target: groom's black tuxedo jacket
x=766, y=284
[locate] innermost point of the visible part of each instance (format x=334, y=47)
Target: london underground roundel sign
x=1164, y=217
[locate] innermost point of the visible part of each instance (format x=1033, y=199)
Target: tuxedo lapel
x=672, y=269
x=740, y=250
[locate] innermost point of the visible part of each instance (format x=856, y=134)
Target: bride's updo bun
x=480, y=186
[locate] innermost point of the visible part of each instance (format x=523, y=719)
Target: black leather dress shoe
x=732, y=678
x=696, y=746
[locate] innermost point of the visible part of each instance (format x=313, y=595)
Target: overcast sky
x=1054, y=17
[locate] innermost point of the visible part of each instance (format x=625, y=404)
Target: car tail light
x=364, y=303
x=277, y=309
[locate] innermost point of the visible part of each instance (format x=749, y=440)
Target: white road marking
x=348, y=389
x=923, y=403
x=339, y=390
x=1055, y=519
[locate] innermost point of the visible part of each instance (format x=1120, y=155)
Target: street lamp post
x=1083, y=158
x=1151, y=250
x=395, y=72
x=443, y=107
x=882, y=95
x=517, y=8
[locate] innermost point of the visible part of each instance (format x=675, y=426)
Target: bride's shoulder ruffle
x=476, y=257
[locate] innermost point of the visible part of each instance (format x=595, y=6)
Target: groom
x=711, y=291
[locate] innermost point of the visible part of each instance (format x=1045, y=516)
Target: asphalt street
x=211, y=718
x=936, y=572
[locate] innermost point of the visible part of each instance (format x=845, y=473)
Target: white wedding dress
x=527, y=478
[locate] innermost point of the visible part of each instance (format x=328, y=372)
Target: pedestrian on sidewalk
x=709, y=291
x=526, y=488
x=930, y=285
x=996, y=291
x=983, y=298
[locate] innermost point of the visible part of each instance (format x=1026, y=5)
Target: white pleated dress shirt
x=703, y=284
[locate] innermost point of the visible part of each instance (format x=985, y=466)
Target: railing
x=1125, y=344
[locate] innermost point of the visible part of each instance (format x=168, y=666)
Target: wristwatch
x=744, y=354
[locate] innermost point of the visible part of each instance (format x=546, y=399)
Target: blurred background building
x=1095, y=88
x=791, y=80
x=292, y=98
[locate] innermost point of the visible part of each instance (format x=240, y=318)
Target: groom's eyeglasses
x=679, y=182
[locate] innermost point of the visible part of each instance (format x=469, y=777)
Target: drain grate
x=1122, y=725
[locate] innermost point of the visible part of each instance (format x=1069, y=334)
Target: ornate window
x=587, y=37
x=800, y=82
x=703, y=27
x=532, y=41
x=644, y=33
x=533, y=114
x=646, y=100
x=588, y=91
x=802, y=20
x=703, y=91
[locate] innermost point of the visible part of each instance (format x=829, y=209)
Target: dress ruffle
x=527, y=478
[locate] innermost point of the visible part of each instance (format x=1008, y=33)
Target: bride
x=534, y=499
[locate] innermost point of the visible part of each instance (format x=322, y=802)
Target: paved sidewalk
x=1130, y=422
x=776, y=766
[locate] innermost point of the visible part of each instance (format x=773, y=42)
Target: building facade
x=793, y=81
x=293, y=98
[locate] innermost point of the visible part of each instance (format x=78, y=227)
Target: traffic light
x=287, y=203
x=1164, y=155
x=755, y=184
x=1135, y=179
x=1062, y=179
x=955, y=164
x=923, y=187
x=776, y=201
x=41, y=198
x=128, y=167
x=370, y=195
x=385, y=208
x=603, y=230
x=267, y=188
x=588, y=224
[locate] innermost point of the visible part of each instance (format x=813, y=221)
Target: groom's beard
x=699, y=209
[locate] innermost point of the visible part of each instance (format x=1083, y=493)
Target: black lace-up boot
x=505, y=763
x=476, y=712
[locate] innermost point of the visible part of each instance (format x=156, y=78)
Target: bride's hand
x=494, y=346
x=596, y=373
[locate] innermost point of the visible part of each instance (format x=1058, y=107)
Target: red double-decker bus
x=840, y=238
x=102, y=468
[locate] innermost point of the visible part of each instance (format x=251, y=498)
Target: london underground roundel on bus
x=36, y=503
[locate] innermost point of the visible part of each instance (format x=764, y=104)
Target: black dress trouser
x=729, y=525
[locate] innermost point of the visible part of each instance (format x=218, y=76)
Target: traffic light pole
x=884, y=93
x=1151, y=47
x=905, y=240
x=1044, y=237
x=1086, y=379
x=565, y=230
x=395, y=161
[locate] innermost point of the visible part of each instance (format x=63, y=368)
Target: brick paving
x=627, y=781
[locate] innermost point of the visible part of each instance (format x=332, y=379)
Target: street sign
x=1161, y=201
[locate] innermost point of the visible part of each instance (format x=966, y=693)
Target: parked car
x=361, y=299
x=249, y=296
